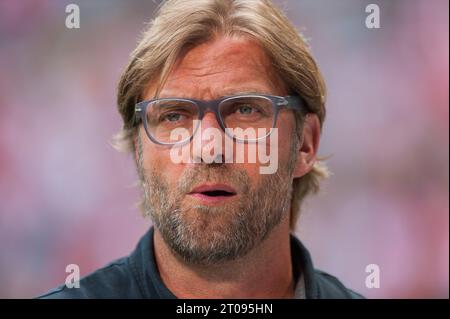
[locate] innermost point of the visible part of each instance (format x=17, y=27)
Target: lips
x=213, y=193
x=214, y=190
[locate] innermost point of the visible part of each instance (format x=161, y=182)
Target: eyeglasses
x=242, y=117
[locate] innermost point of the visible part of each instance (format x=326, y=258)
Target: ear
x=308, y=145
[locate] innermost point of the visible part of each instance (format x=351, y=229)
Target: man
x=222, y=226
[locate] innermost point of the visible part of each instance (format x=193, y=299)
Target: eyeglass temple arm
x=294, y=102
x=138, y=111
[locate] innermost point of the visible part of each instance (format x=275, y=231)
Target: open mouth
x=213, y=193
x=217, y=193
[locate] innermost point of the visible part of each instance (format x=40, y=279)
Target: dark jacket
x=137, y=276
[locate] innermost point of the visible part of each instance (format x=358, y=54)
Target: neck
x=265, y=272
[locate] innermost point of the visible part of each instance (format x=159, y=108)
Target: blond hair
x=182, y=24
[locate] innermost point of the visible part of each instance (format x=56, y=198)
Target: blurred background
x=66, y=196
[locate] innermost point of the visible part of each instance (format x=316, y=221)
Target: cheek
x=252, y=170
x=156, y=158
x=286, y=134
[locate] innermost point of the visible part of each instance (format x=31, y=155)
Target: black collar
x=146, y=272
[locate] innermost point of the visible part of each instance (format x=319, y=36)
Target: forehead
x=223, y=66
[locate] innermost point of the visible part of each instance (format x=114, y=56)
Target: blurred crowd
x=66, y=196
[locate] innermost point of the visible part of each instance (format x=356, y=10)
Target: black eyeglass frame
x=293, y=102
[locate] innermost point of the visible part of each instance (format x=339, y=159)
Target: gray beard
x=206, y=235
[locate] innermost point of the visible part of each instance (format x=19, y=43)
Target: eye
x=172, y=117
x=246, y=109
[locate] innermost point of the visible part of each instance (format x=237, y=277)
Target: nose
x=210, y=121
x=209, y=141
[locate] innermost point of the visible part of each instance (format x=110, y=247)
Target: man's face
x=198, y=225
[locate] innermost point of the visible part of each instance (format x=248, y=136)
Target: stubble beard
x=207, y=235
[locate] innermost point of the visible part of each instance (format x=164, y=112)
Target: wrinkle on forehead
x=223, y=63
x=222, y=53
